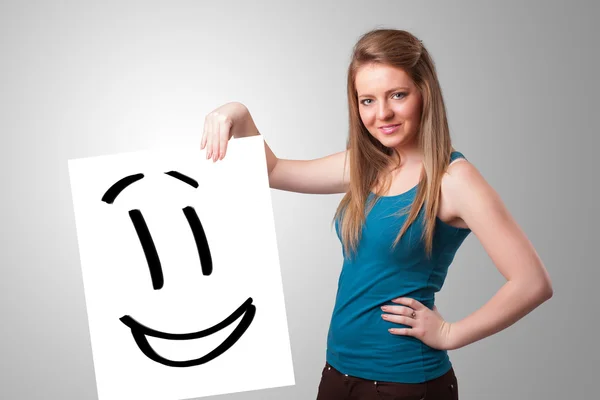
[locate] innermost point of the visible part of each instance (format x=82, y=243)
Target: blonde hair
x=369, y=159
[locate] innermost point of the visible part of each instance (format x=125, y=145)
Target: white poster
x=181, y=273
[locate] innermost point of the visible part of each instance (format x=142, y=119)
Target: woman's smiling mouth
x=140, y=334
x=387, y=129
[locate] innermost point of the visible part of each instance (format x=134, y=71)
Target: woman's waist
x=359, y=341
x=354, y=331
x=366, y=304
x=377, y=354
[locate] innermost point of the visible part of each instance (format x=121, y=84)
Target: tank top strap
x=455, y=155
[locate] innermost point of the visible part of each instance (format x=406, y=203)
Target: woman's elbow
x=548, y=291
x=544, y=289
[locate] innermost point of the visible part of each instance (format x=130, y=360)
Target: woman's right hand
x=330, y=174
x=220, y=125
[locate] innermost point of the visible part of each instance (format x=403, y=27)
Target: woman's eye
x=399, y=94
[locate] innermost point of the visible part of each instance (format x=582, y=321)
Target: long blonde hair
x=369, y=159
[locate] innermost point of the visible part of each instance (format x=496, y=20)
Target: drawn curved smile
x=141, y=332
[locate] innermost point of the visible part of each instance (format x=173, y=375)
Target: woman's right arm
x=324, y=175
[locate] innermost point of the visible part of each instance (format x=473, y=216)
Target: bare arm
x=528, y=283
x=326, y=175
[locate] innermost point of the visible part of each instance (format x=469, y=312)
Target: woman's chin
x=396, y=140
x=390, y=141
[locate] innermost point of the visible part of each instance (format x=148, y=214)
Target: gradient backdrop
x=521, y=87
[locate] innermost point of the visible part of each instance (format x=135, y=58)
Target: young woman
x=410, y=201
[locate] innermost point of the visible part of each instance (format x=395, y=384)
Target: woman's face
x=388, y=96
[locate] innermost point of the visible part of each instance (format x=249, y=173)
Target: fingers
x=209, y=138
x=400, y=310
x=215, y=142
x=407, y=301
x=216, y=134
x=223, y=138
x=204, y=133
x=399, y=319
x=404, y=332
x=401, y=314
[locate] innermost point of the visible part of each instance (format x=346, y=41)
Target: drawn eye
x=152, y=259
x=141, y=228
x=200, y=238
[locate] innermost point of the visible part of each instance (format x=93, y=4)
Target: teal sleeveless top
x=358, y=341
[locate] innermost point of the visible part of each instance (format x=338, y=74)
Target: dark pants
x=337, y=386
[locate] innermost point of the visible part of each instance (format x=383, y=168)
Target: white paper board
x=146, y=255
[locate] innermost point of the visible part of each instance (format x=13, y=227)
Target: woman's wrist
x=248, y=128
x=245, y=126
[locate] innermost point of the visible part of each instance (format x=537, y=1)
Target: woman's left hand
x=427, y=325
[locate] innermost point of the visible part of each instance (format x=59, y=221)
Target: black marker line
x=183, y=178
x=112, y=193
x=144, y=330
x=139, y=333
x=149, y=249
x=200, y=238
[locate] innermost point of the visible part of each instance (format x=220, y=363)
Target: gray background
x=520, y=83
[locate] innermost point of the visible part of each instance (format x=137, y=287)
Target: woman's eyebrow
x=387, y=92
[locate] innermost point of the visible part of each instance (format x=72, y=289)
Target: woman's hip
x=335, y=385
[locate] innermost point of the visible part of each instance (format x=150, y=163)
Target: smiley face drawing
x=181, y=273
x=140, y=332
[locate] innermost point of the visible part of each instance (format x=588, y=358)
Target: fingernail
x=384, y=308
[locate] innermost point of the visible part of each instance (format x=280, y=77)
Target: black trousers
x=337, y=386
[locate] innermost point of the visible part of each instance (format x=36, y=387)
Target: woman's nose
x=384, y=111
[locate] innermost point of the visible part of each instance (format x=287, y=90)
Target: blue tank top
x=358, y=342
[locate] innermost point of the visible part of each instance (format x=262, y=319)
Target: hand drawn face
x=140, y=332
x=172, y=268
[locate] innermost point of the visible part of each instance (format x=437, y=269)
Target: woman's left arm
x=528, y=284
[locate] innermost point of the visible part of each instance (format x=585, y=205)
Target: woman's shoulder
x=457, y=177
x=459, y=173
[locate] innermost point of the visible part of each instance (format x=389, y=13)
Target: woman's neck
x=410, y=155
